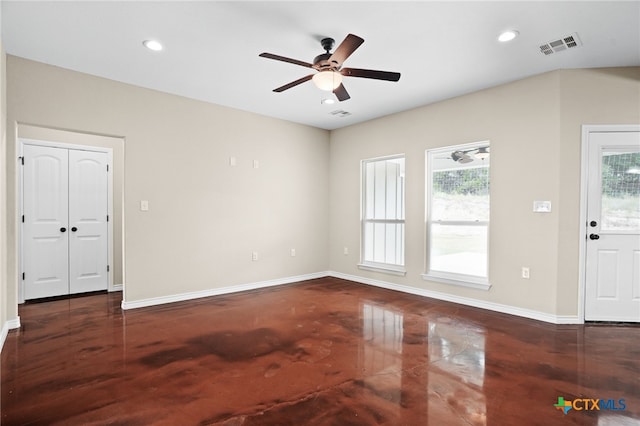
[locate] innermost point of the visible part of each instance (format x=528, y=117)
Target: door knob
x=63, y=229
x=74, y=229
x=593, y=223
x=594, y=236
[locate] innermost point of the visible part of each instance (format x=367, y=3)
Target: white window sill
x=459, y=280
x=385, y=269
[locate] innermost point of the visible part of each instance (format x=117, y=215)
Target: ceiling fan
x=329, y=67
x=463, y=157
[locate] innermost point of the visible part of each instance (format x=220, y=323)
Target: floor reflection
x=381, y=355
x=451, y=374
x=617, y=420
x=382, y=338
x=457, y=367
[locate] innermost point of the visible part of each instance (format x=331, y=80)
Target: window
x=383, y=214
x=457, y=197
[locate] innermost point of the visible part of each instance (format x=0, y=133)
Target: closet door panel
x=88, y=208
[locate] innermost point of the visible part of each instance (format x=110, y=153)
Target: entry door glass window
x=620, y=191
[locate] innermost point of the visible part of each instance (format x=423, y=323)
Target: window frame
x=460, y=279
x=389, y=268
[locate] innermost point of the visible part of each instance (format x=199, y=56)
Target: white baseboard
x=9, y=325
x=3, y=335
x=218, y=291
x=14, y=323
x=116, y=287
x=491, y=306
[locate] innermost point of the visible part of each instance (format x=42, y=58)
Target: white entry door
x=65, y=245
x=612, y=288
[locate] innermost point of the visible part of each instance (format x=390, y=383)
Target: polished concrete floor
x=321, y=352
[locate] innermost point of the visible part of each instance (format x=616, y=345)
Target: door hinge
x=21, y=160
x=22, y=218
x=107, y=167
x=23, y=275
x=107, y=218
x=108, y=268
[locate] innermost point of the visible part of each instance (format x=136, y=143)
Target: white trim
x=14, y=323
x=584, y=176
x=110, y=249
x=460, y=280
x=9, y=325
x=385, y=269
x=218, y=291
x=497, y=307
x=64, y=145
x=3, y=335
x=116, y=287
x=451, y=277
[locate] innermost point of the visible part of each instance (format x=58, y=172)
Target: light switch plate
x=144, y=205
x=542, y=206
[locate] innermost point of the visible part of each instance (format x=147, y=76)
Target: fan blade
x=284, y=59
x=375, y=74
x=341, y=93
x=346, y=48
x=293, y=83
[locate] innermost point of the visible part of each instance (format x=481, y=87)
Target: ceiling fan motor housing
x=322, y=63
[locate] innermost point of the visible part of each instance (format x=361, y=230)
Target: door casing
x=26, y=141
x=584, y=175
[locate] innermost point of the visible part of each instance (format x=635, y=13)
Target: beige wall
x=205, y=217
x=534, y=126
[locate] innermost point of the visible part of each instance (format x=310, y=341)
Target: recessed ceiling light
x=508, y=35
x=152, y=45
x=328, y=101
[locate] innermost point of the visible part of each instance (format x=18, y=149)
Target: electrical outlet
x=144, y=205
x=525, y=272
x=346, y=251
x=254, y=256
x=232, y=161
x=256, y=164
x=293, y=252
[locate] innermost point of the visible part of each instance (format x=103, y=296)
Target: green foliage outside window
x=471, y=181
x=621, y=174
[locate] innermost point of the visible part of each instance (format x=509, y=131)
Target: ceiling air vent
x=567, y=42
x=340, y=113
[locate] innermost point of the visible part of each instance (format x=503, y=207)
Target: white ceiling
x=442, y=49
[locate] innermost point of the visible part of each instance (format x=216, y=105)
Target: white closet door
x=88, y=207
x=45, y=240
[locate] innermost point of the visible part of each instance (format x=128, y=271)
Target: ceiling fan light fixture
x=327, y=80
x=154, y=45
x=507, y=35
x=466, y=158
